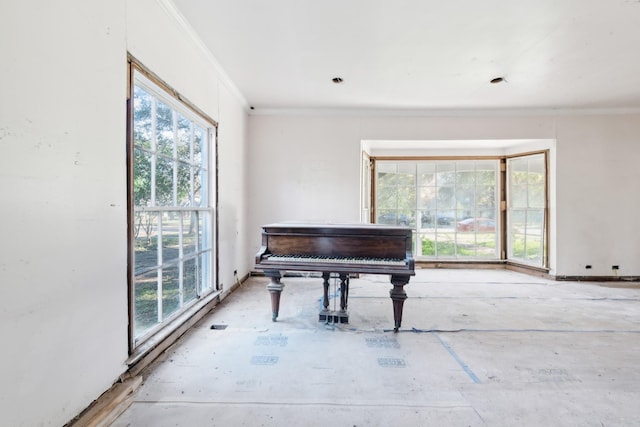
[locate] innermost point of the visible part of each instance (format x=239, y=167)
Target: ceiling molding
x=513, y=112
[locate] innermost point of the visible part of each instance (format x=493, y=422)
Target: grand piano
x=337, y=250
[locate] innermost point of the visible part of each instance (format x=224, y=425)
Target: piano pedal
x=327, y=316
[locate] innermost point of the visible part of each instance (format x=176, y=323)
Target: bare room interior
x=484, y=153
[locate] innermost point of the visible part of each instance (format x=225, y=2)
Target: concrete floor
x=476, y=348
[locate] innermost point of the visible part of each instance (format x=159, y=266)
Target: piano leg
x=344, y=291
x=275, y=289
x=325, y=284
x=398, y=295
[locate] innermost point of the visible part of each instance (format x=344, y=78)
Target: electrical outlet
x=615, y=267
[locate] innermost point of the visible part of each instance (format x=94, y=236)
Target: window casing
x=172, y=224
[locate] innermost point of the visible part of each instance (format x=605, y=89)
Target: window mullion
x=174, y=118
x=181, y=260
x=154, y=148
x=192, y=195
x=199, y=272
x=159, y=289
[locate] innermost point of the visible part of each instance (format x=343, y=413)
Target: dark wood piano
x=337, y=250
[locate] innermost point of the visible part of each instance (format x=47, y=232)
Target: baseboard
x=108, y=407
x=598, y=278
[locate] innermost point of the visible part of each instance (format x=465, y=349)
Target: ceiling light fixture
x=337, y=80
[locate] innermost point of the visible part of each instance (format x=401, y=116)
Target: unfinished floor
x=476, y=348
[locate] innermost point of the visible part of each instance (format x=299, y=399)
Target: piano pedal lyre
x=335, y=316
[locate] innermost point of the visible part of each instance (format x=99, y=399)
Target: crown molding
x=450, y=112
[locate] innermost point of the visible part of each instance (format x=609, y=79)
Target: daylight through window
x=172, y=218
x=451, y=204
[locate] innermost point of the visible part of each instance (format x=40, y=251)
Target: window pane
x=486, y=244
x=518, y=195
x=198, y=199
x=199, y=139
x=446, y=199
x=427, y=198
x=164, y=181
x=426, y=174
x=190, y=279
x=142, y=128
x=445, y=218
x=533, y=249
x=486, y=172
x=190, y=230
x=485, y=201
x=518, y=167
x=466, y=200
x=535, y=220
x=406, y=198
x=146, y=241
x=537, y=169
x=170, y=237
x=386, y=198
x=141, y=178
x=205, y=271
x=184, y=185
x=170, y=291
x=387, y=216
x=183, y=143
x=445, y=246
x=406, y=174
x=164, y=129
x=386, y=175
x=445, y=174
x=536, y=196
x=146, y=302
x=205, y=221
x=465, y=173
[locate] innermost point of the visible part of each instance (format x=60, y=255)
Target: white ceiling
x=415, y=55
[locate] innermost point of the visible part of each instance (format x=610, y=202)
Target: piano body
x=339, y=250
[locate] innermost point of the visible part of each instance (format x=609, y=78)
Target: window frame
x=501, y=209
x=182, y=106
x=544, y=235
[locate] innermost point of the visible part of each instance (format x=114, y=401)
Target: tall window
x=172, y=224
x=451, y=204
x=526, y=215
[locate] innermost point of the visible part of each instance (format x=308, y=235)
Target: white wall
x=598, y=201
x=306, y=167
x=63, y=228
